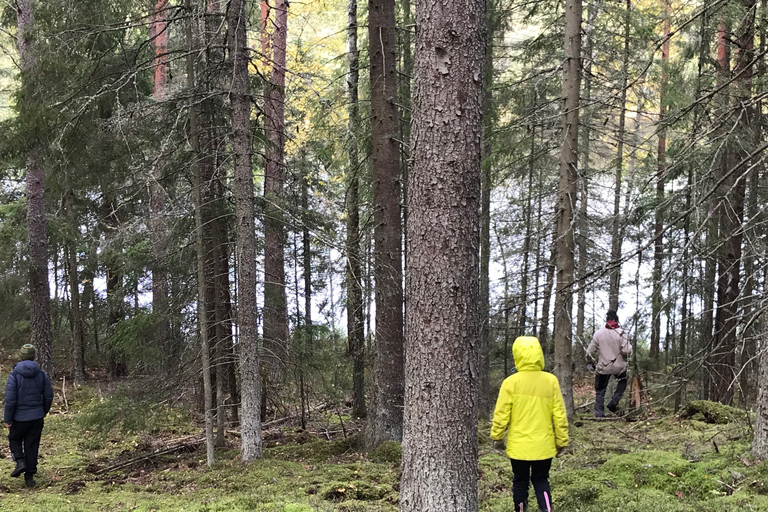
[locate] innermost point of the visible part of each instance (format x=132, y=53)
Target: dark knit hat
x=27, y=352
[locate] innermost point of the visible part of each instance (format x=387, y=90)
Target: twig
x=149, y=456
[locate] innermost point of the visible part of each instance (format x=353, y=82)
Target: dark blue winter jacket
x=28, y=393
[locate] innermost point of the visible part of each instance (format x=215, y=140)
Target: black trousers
x=601, y=384
x=24, y=441
x=527, y=472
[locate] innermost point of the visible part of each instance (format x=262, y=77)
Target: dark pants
x=24, y=441
x=601, y=384
x=527, y=472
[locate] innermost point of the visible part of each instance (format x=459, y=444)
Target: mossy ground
x=659, y=465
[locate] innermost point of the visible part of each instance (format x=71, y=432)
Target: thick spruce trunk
x=386, y=418
x=566, y=199
x=37, y=234
x=240, y=103
x=440, y=428
x=355, y=326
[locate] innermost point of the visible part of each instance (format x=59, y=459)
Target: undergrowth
x=659, y=465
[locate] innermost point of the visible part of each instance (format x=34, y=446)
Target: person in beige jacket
x=614, y=350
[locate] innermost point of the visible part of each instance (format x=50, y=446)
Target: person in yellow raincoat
x=530, y=408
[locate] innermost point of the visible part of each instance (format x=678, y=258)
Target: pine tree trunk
x=158, y=232
x=275, y=302
x=731, y=214
x=240, y=101
x=440, y=435
x=566, y=198
x=355, y=326
x=37, y=238
x=658, y=225
x=386, y=419
x=617, y=233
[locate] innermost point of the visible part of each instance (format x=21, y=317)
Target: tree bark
x=158, y=34
x=566, y=198
x=760, y=439
x=203, y=276
x=658, y=224
x=583, y=241
x=617, y=233
x=731, y=214
x=37, y=235
x=440, y=436
x=355, y=326
x=245, y=233
x=75, y=311
x=275, y=302
x=386, y=420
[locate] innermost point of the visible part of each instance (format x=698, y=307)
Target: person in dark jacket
x=28, y=398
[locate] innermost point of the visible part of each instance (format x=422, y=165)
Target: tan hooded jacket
x=614, y=350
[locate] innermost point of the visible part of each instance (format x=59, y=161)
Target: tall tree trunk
x=658, y=225
x=751, y=307
x=308, y=338
x=760, y=439
x=158, y=34
x=527, y=214
x=37, y=235
x=114, y=277
x=203, y=276
x=617, y=233
x=75, y=311
x=709, y=337
x=355, y=327
x=731, y=212
x=583, y=240
x=507, y=305
x=566, y=198
x=240, y=101
x=275, y=302
x=486, y=188
x=547, y=298
x=442, y=281
x=686, y=292
x=386, y=421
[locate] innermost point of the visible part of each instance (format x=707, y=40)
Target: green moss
x=387, y=452
x=712, y=412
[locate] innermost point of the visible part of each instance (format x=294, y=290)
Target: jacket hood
x=528, y=354
x=27, y=368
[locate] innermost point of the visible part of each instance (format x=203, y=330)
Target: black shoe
x=20, y=467
x=29, y=481
x=612, y=407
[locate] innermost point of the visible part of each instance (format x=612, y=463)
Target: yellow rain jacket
x=530, y=407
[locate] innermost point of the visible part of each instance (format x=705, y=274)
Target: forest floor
x=661, y=464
